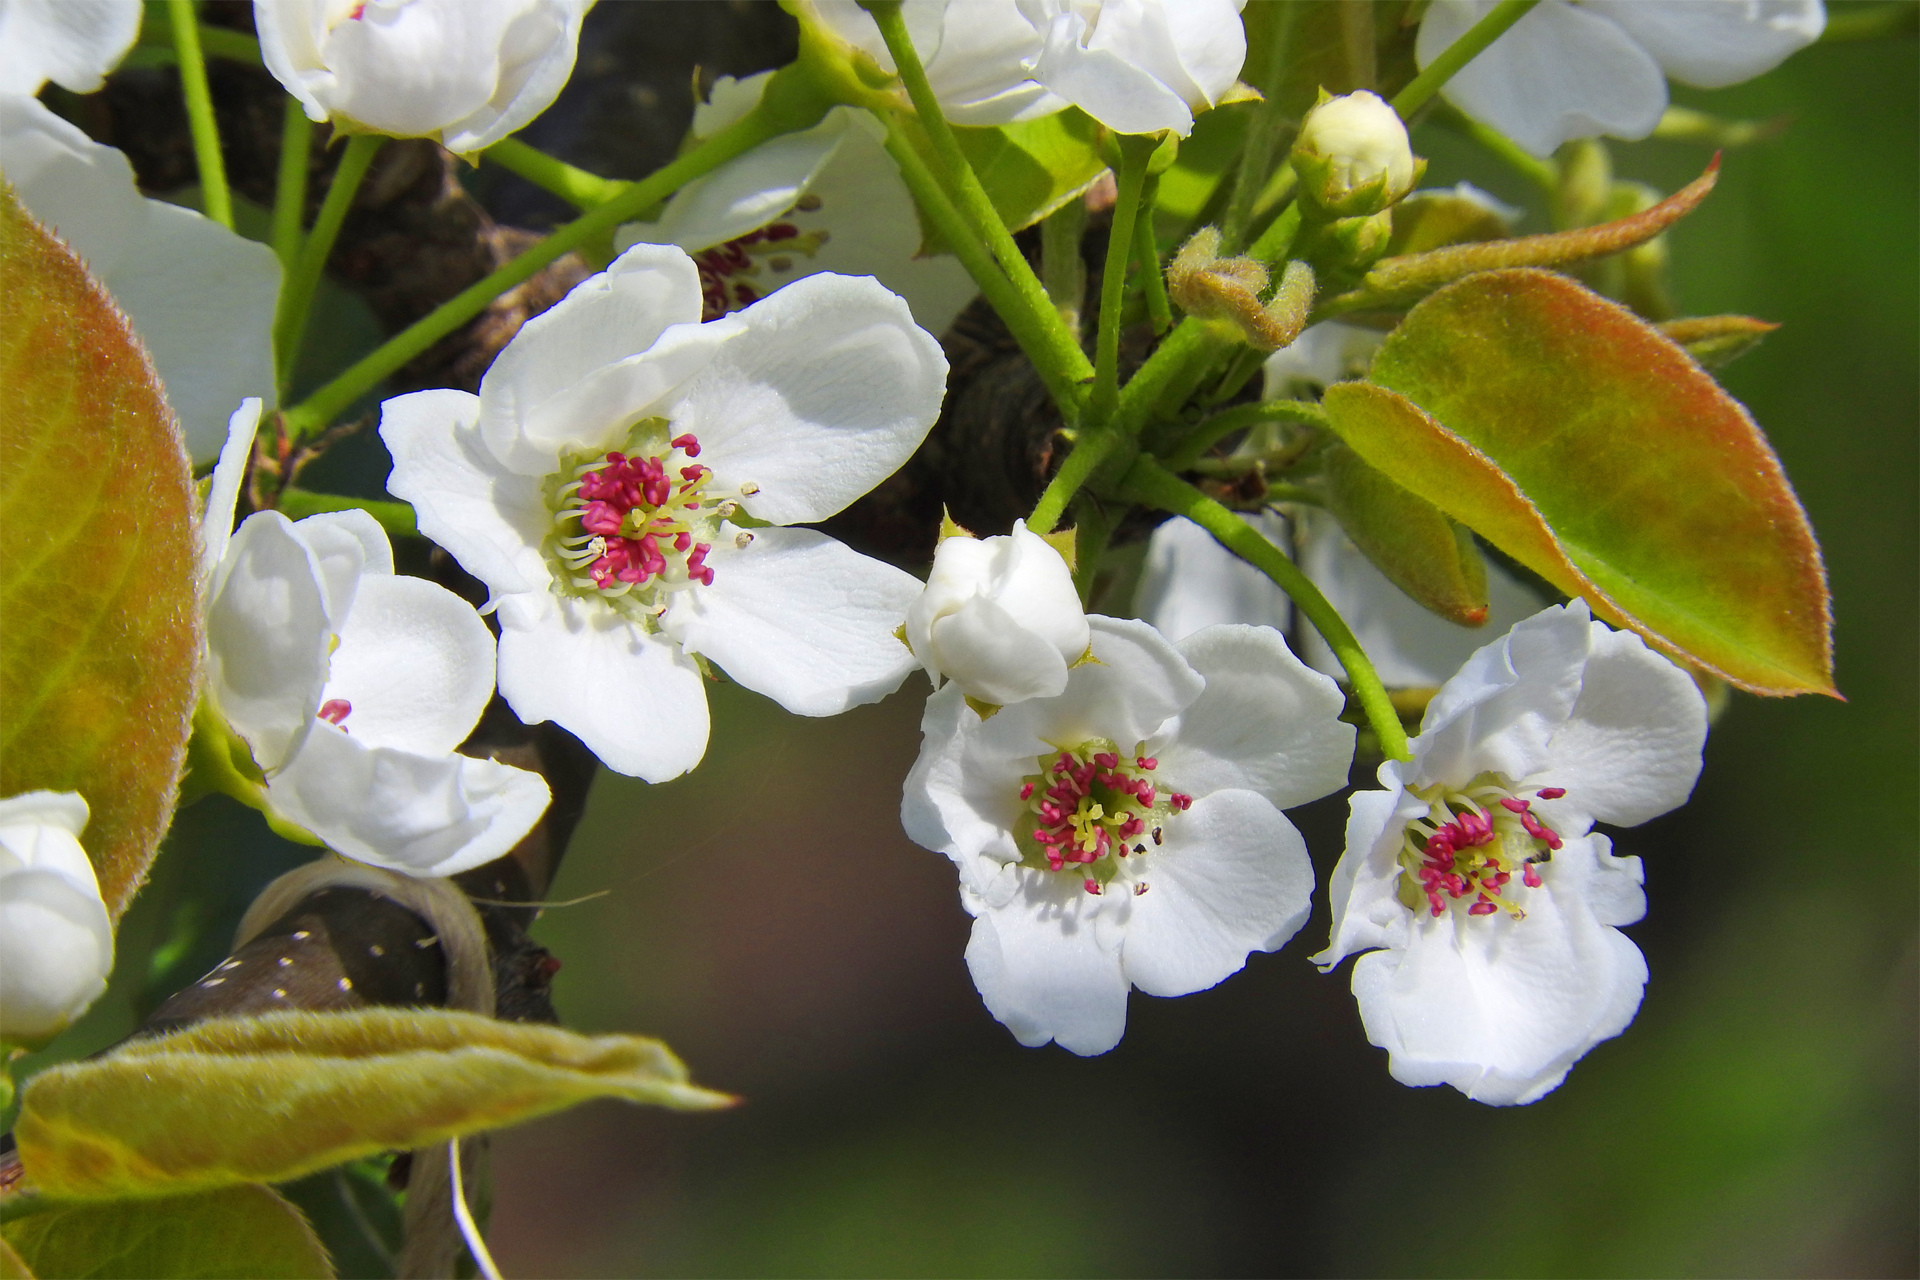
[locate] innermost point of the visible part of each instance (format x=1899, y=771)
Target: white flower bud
x=56, y=943
x=1352, y=155
x=999, y=617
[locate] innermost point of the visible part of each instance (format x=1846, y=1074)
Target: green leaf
x=237, y=1232
x=101, y=642
x=265, y=1099
x=12, y=1265
x=1424, y=553
x=1585, y=444
x=1030, y=168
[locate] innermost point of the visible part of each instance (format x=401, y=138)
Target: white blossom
x=1136, y=66
x=999, y=617
x=1190, y=582
x=56, y=943
x=1128, y=833
x=467, y=72
x=1577, y=68
x=73, y=43
x=570, y=487
x=825, y=199
x=1476, y=875
x=352, y=686
x=199, y=297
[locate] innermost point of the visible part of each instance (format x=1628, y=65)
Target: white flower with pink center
x=621, y=482
x=1476, y=875
x=351, y=686
x=1128, y=832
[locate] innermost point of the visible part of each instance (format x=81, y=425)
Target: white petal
x=23, y=819
x=745, y=193
x=993, y=657
x=56, y=949
x=1558, y=73
x=424, y=815
x=1110, y=88
x=1714, y=43
x=489, y=519
x=635, y=700
x=223, y=491
x=1210, y=43
x=267, y=637
x=411, y=70
x=1136, y=683
x=730, y=99
x=1264, y=723
x=831, y=388
x=82, y=189
x=536, y=56
x=1042, y=972
x=1500, y=1008
x=1324, y=354
x=606, y=319
x=801, y=618
x=415, y=663
x=1361, y=891
x=70, y=42
x=933, y=809
x=1191, y=582
x=1631, y=749
x=982, y=71
x=1410, y=645
x=345, y=545
x=1232, y=878
x=290, y=33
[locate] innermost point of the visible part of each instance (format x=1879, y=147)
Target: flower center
x=730, y=272
x=1093, y=806
x=1471, y=843
x=633, y=527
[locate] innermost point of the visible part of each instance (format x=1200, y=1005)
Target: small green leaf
x=236, y=1232
x=1585, y=444
x=265, y=1099
x=102, y=637
x=1030, y=168
x=1424, y=553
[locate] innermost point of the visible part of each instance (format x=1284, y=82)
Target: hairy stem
x=214, y=195
x=1459, y=54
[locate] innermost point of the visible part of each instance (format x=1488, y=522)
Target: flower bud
x=999, y=617
x=1352, y=155
x=56, y=943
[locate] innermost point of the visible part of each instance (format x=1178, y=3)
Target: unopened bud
x=1206, y=285
x=1356, y=243
x=1352, y=155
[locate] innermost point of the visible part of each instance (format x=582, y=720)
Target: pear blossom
x=1128, y=832
x=1577, y=68
x=73, y=43
x=1190, y=582
x=1000, y=617
x=1352, y=154
x=1493, y=906
x=352, y=686
x=1136, y=66
x=200, y=298
x=466, y=72
x=622, y=482
x=56, y=942
x=825, y=199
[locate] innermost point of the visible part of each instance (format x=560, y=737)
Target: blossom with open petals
x=56, y=943
x=827, y=198
x=466, y=72
x=594, y=483
x=200, y=298
x=352, y=686
x=1578, y=68
x=73, y=43
x=1477, y=876
x=1128, y=832
x=1136, y=66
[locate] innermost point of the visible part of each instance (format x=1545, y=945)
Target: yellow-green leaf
x=1031, y=167
x=101, y=635
x=270, y=1098
x=1584, y=443
x=1425, y=554
x=12, y=1265
x=236, y=1232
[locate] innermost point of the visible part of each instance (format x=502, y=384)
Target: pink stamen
x=335, y=710
x=1551, y=793
x=687, y=444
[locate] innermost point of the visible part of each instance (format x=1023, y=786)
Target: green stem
x=1147, y=482
x=1146, y=252
x=1062, y=381
x=779, y=112
x=299, y=286
x=1092, y=528
x=290, y=187
x=395, y=517
x=1209, y=433
x=1264, y=131
x=1135, y=151
x=1459, y=54
x=1192, y=346
x=963, y=186
x=1276, y=242
x=1544, y=174
x=200, y=122
x=1063, y=269
x=215, y=42
x=576, y=186
x=1089, y=451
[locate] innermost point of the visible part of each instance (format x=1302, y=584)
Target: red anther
x=1529, y=876
x=334, y=710
x=1093, y=887
x=1551, y=793
x=1106, y=760
x=1181, y=802
x=1026, y=791
x=745, y=294
x=547, y=966
x=781, y=231
x=1147, y=762
x=682, y=540
x=1513, y=806
x=686, y=444
x=1482, y=908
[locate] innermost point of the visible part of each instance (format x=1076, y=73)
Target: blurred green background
x=768, y=919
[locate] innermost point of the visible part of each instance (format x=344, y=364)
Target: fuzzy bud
x=56, y=943
x=999, y=617
x=1352, y=155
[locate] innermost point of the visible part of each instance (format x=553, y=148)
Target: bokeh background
x=767, y=918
